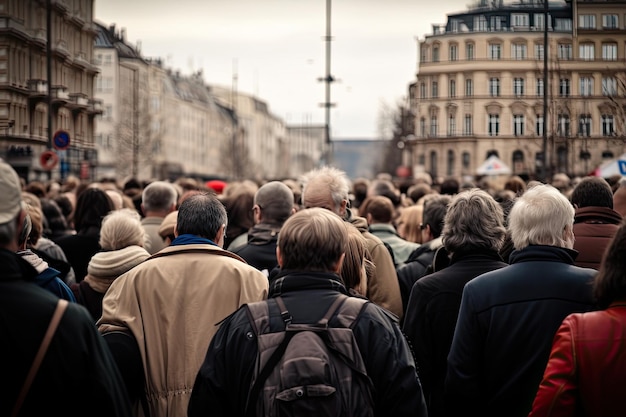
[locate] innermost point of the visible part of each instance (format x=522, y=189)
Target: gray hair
x=334, y=179
x=120, y=229
x=158, y=196
x=540, y=216
x=201, y=215
x=474, y=220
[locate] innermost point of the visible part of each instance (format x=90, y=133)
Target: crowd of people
x=490, y=298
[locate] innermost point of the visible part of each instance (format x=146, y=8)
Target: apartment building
x=480, y=88
x=30, y=101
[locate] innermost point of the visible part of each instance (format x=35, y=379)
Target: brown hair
x=610, y=283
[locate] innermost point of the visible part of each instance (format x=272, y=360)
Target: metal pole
x=49, y=74
x=545, y=159
x=328, y=80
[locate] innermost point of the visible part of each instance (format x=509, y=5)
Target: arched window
x=561, y=156
x=518, y=161
x=433, y=164
x=450, y=168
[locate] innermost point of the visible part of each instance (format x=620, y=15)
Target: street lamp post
x=544, y=157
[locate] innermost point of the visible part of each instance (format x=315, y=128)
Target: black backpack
x=309, y=369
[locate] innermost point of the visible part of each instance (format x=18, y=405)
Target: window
x=107, y=60
x=494, y=125
x=436, y=53
x=609, y=51
x=518, y=51
x=563, y=126
x=435, y=89
x=608, y=129
x=538, y=21
x=609, y=86
x=423, y=127
x=467, y=124
x=497, y=22
x=587, y=21
x=452, y=89
x=454, y=52
x=494, y=87
x=480, y=23
x=518, y=87
x=423, y=53
x=155, y=103
x=469, y=88
x=538, y=51
x=469, y=51
x=495, y=51
x=519, y=19
x=586, y=86
x=564, y=87
x=451, y=125
x=423, y=90
x=98, y=61
x=565, y=51
x=610, y=21
x=450, y=169
x=539, y=125
x=466, y=160
x=584, y=125
x=587, y=51
x=563, y=24
x=433, y=125
x=518, y=125
x=539, y=87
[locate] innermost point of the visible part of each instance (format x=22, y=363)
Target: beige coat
x=172, y=303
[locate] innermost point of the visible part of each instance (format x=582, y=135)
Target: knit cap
x=112, y=264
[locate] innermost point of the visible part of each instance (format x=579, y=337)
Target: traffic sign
x=48, y=160
x=61, y=140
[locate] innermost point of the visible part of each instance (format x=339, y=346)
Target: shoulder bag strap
x=43, y=348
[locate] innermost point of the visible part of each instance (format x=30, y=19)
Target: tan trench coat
x=172, y=303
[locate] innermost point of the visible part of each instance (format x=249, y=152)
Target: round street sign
x=48, y=160
x=61, y=140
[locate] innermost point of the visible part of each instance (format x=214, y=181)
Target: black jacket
x=223, y=381
x=504, y=332
x=77, y=376
x=416, y=267
x=260, y=251
x=431, y=315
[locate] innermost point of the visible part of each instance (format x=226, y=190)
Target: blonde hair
x=120, y=229
x=357, y=266
x=409, y=223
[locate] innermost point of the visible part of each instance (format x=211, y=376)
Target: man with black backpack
x=309, y=349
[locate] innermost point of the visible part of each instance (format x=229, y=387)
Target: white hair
x=541, y=216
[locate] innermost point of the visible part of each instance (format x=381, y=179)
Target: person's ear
x=343, y=207
x=337, y=266
x=279, y=257
x=220, y=236
x=175, y=231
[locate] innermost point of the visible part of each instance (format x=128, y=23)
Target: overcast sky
x=277, y=51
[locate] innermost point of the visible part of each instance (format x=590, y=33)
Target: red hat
x=216, y=185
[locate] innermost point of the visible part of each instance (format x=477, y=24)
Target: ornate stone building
x=480, y=88
x=26, y=97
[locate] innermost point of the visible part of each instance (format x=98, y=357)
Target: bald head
x=274, y=202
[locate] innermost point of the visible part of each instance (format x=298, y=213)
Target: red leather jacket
x=586, y=373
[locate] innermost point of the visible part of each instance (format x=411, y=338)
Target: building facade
x=34, y=108
x=481, y=82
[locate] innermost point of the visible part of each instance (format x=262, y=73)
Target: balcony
x=78, y=102
x=39, y=37
x=37, y=90
x=81, y=59
x=60, y=95
x=62, y=49
x=95, y=107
